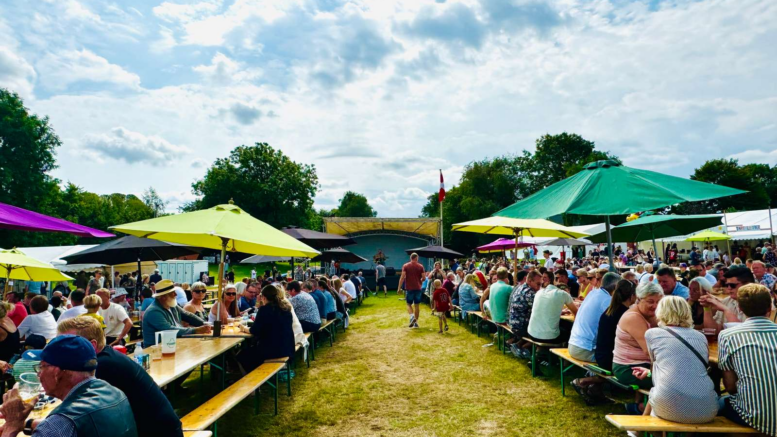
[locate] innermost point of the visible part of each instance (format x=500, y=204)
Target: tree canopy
x=264, y=182
x=759, y=180
x=353, y=205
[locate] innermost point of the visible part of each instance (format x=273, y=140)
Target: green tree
x=264, y=182
x=555, y=158
x=354, y=205
x=729, y=173
x=152, y=200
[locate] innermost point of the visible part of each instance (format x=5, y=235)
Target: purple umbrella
x=503, y=244
x=12, y=217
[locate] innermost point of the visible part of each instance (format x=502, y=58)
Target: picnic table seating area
x=645, y=424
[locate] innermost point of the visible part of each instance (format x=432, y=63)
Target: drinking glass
x=29, y=387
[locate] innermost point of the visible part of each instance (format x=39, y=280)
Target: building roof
x=429, y=227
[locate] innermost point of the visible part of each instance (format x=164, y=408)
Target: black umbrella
x=436, y=252
x=338, y=254
x=130, y=249
x=318, y=240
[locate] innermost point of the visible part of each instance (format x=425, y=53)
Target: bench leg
x=331, y=335
x=533, y=360
x=288, y=378
x=561, y=366
x=312, y=347
x=256, y=402
x=275, y=393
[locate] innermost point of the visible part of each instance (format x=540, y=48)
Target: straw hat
x=163, y=287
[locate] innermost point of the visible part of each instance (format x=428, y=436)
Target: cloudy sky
x=381, y=94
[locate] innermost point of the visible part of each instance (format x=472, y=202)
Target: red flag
x=442, y=187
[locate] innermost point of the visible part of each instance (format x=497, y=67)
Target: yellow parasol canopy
x=708, y=236
x=14, y=264
x=519, y=227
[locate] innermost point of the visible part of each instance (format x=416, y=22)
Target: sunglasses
x=198, y=291
x=731, y=285
x=231, y=294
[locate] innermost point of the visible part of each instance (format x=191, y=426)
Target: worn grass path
x=384, y=379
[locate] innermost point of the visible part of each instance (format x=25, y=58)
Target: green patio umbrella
x=608, y=188
x=659, y=226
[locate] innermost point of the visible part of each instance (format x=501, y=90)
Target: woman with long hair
x=273, y=332
x=9, y=335
x=338, y=286
x=228, y=305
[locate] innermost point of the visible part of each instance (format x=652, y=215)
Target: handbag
x=695, y=352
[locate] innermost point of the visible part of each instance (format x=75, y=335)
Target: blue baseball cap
x=70, y=352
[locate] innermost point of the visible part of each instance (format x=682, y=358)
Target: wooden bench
x=656, y=424
x=197, y=434
x=479, y=318
x=563, y=355
x=456, y=313
x=310, y=349
x=534, y=345
x=328, y=326
x=502, y=329
x=208, y=413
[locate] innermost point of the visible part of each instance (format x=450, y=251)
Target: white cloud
x=199, y=163
x=223, y=70
x=184, y=13
x=132, y=147
x=62, y=69
x=15, y=73
x=756, y=156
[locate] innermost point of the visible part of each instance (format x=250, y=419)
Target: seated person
x=247, y=300
x=195, y=306
x=583, y=337
x=330, y=307
x=623, y=298
x=228, y=306
x=521, y=301
x=154, y=415
x=92, y=304
x=727, y=310
x=40, y=322
x=698, y=287
x=630, y=345
x=165, y=314
x=304, y=307
x=668, y=282
x=498, y=296
x=272, y=331
x=469, y=299
x=546, y=314
x=682, y=390
x=746, y=354
x=30, y=357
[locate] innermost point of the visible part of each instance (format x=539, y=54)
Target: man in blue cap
x=90, y=407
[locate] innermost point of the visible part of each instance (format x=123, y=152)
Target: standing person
x=155, y=277
x=90, y=406
x=154, y=415
x=412, y=276
x=442, y=303
x=117, y=322
x=380, y=274
x=95, y=283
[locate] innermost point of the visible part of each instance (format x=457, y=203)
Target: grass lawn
x=382, y=378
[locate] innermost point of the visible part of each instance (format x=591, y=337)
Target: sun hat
x=119, y=292
x=163, y=287
x=68, y=352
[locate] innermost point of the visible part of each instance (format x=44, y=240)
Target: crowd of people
x=648, y=326
x=73, y=342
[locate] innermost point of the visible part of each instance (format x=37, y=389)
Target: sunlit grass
x=381, y=378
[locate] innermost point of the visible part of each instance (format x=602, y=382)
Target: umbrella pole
x=138, y=281
x=609, y=242
x=515, y=259
x=655, y=249
x=217, y=323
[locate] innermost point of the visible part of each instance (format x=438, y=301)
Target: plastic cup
x=29, y=387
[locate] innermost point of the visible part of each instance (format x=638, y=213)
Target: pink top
x=627, y=351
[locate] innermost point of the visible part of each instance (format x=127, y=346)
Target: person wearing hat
x=120, y=298
x=164, y=314
x=156, y=277
x=154, y=415
x=117, y=322
x=90, y=407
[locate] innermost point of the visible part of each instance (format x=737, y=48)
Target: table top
x=190, y=353
x=39, y=414
x=226, y=332
x=568, y=317
x=714, y=353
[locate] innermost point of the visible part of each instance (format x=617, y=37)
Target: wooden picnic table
x=568, y=317
x=714, y=353
x=189, y=353
x=226, y=332
x=39, y=414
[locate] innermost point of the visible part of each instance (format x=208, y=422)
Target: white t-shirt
x=733, y=306
x=350, y=288
x=39, y=324
x=72, y=312
x=546, y=312
x=114, y=317
x=180, y=297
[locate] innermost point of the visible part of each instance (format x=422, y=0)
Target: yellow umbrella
x=708, y=236
x=14, y=264
x=498, y=225
x=224, y=227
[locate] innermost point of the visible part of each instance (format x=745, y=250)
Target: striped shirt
x=750, y=350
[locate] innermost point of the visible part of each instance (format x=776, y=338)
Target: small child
x=92, y=303
x=442, y=303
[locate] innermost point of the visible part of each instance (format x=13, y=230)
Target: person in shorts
x=412, y=277
x=441, y=300
x=380, y=273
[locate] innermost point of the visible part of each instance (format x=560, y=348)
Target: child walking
x=442, y=303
